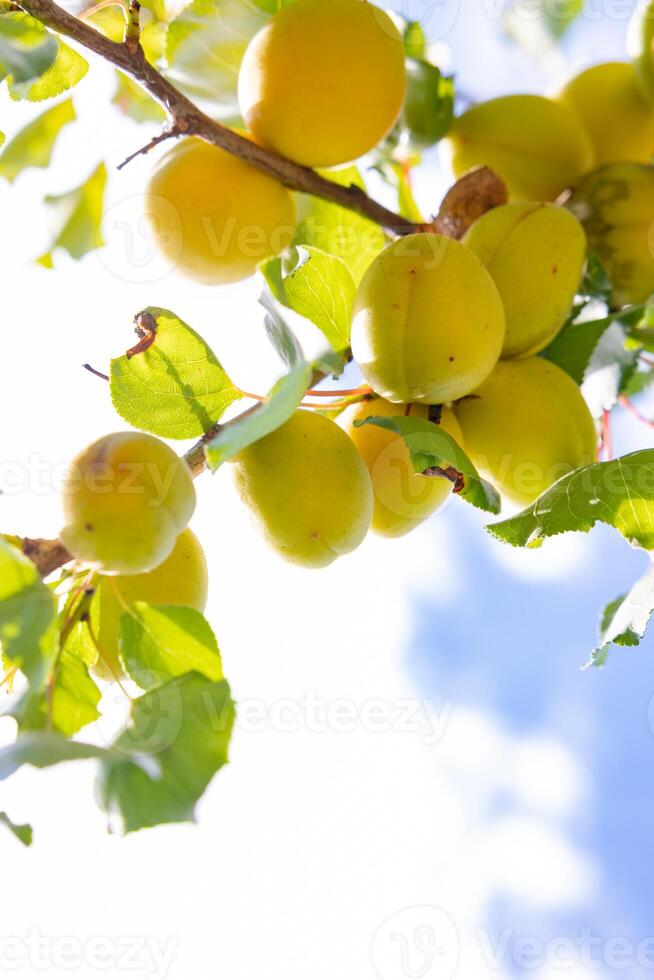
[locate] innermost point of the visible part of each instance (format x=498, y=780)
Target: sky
x=423, y=781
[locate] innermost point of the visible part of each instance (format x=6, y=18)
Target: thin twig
x=98, y=374
x=167, y=134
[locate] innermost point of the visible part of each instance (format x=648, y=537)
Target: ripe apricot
x=126, y=498
x=536, y=255
x=615, y=204
x=428, y=321
x=324, y=81
x=536, y=145
x=403, y=498
x=527, y=426
x=614, y=111
x=181, y=580
x=215, y=216
x=308, y=490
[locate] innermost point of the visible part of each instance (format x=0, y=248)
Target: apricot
x=615, y=204
x=614, y=111
x=307, y=488
x=536, y=254
x=181, y=580
x=324, y=81
x=527, y=426
x=536, y=145
x=215, y=216
x=428, y=321
x=403, y=498
x=126, y=498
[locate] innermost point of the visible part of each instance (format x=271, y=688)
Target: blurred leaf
x=280, y=404
x=22, y=831
x=27, y=611
x=161, y=642
x=183, y=729
x=27, y=50
x=619, y=493
x=68, y=69
x=396, y=175
x=609, y=369
x=428, y=110
x=134, y=102
x=78, y=217
x=177, y=388
x=280, y=334
x=430, y=447
x=415, y=42
x=339, y=231
x=559, y=16
x=316, y=285
x=638, y=382
x=596, y=283
x=42, y=750
x=33, y=145
x=204, y=48
x=625, y=620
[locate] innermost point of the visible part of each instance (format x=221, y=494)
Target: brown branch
x=188, y=120
x=167, y=134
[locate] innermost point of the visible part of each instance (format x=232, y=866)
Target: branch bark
x=186, y=119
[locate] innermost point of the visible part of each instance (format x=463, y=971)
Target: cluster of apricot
x=441, y=329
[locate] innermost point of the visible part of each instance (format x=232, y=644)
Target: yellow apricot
x=403, y=498
x=126, y=498
x=428, y=321
x=181, y=580
x=615, y=204
x=537, y=146
x=536, y=255
x=308, y=490
x=614, y=111
x=215, y=216
x=527, y=426
x=324, y=81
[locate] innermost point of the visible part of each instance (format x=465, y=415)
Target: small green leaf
x=27, y=611
x=430, y=447
x=22, y=831
x=573, y=347
x=177, y=388
x=134, y=102
x=42, y=750
x=316, y=285
x=339, y=231
x=27, y=50
x=68, y=69
x=619, y=493
x=180, y=731
x=280, y=334
x=33, y=145
x=625, y=620
x=394, y=173
x=280, y=404
x=78, y=218
x=70, y=703
x=415, y=42
x=158, y=643
x=428, y=111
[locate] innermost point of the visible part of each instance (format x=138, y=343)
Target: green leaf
x=182, y=729
x=339, y=231
x=619, y=493
x=177, y=388
x=559, y=16
x=638, y=382
x=161, y=642
x=22, y=831
x=316, y=285
x=78, y=218
x=134, y=102
x=280, y=334
x=68, y=69
x=280, y=404
x=205, y=46
x=42, y=750
x=27, y=50
x=70, y=703
x=430, y=447
x=625, y=620
x=395, y=174
x=573, y=347
x=27, y=611
x=428, y=110
x=415, y=42
x=33, y=145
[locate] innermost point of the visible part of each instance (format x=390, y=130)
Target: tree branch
x=187, y=119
